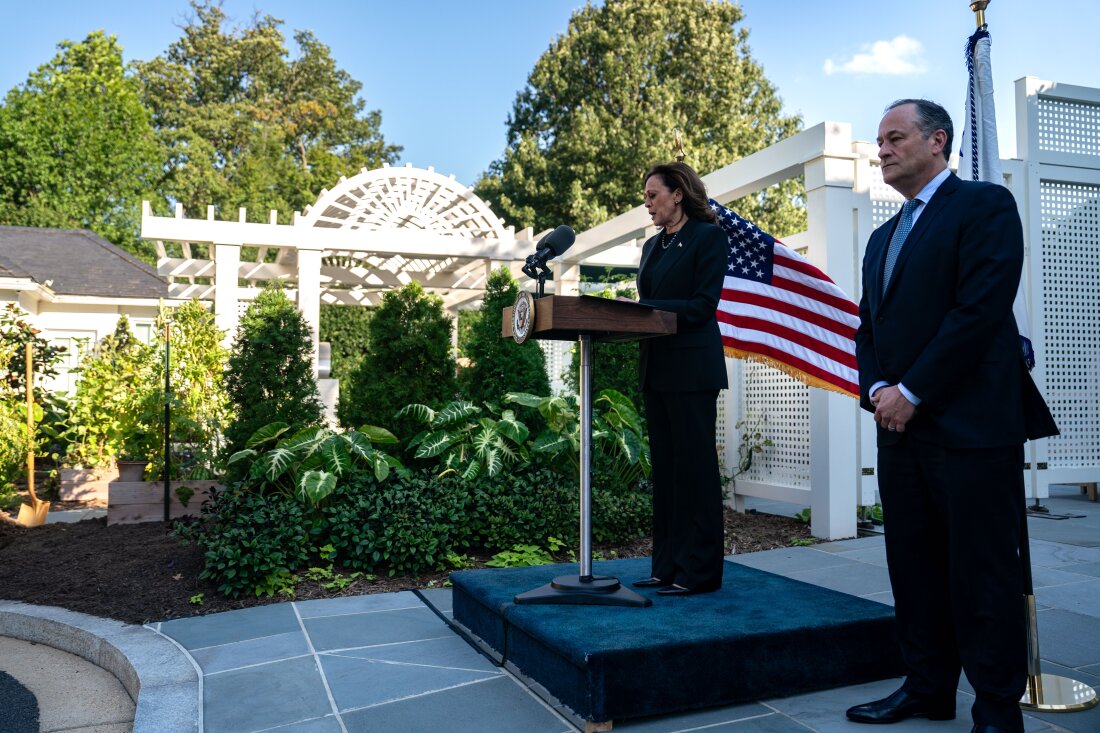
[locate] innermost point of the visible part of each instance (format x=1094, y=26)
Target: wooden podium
x=584, y=319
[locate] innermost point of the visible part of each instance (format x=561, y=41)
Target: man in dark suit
x=941, y=367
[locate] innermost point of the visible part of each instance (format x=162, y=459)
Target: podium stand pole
x=584, y=347
x=585, y=588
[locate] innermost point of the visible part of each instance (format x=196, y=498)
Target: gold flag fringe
x=787, y=369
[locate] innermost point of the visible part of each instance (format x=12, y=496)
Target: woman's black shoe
x=679, y=590
x=651, y=583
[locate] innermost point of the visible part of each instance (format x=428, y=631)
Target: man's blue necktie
x=905, y=225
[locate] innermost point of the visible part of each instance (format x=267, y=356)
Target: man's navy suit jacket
x=944, y=327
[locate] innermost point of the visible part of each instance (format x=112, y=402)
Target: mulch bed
x=139, y=573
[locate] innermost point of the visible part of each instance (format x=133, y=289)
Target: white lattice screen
x=779, y=407
x=1070, y=251
x=1069, y=127
x=885, y=201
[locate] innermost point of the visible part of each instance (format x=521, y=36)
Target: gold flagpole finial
x=678, y=146
x=978, y=6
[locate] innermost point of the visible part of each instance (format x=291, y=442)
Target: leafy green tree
x=408, y=360
x=601, y=104
x=77, y=148
x=243, y=124
x=499, y=365
x=269, y=375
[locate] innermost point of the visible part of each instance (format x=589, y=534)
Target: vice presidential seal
x=523, y=316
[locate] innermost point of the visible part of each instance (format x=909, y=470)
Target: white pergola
x=373, y=232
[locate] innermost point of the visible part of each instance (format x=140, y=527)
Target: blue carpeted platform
x=760, y=636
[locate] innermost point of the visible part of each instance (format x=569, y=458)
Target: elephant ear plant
x=618, y=438
x=466, y=442
x=308, y=464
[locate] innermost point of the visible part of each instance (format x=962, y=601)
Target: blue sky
x=445, y=74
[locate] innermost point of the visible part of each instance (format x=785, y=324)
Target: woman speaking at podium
x=681, y=270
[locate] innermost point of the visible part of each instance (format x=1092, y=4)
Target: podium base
x=576, y=590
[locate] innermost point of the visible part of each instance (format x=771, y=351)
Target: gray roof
x=76, y=262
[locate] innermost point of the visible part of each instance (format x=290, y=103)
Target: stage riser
x=761, y=636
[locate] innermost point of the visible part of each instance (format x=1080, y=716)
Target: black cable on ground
x=462, y=633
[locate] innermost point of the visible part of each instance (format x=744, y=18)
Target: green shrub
x=525, y=506
x=49, y=407
x=200, y=405
x=347, y=330
x=409, y=360
x=270, y=372
x=251, y=544
x=401, y=527
x=13, y=449
x=499, y=365
x=532, y=505
x=621, y=516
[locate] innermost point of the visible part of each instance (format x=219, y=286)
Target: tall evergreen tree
x=409, y=360
x=77, y=148
x=500, y=365
x=601, y=104
x=269, y=376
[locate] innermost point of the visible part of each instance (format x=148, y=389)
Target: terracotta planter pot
x=132, y=470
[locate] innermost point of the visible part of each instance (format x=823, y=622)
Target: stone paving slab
x=788, y=560
x=1082, y=598
x=264, y=696
x=857, y=578
x=380, y=627
x=496, y=704
x=1068, y=638
x=731, y=718
x=251, y=652
x=227, y=627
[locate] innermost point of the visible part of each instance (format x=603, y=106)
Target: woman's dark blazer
x=686, y=280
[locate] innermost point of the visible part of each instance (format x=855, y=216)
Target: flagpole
x=1045, y=692
x=978, y=6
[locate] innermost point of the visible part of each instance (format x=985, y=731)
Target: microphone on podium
x=550, y=246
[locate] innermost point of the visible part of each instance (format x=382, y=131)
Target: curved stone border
x=158, y=676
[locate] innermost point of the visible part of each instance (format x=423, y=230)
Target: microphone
x=552, y=245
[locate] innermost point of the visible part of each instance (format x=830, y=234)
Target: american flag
x=779, y=309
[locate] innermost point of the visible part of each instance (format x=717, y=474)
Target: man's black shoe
x=987, y=729
x=900, y=706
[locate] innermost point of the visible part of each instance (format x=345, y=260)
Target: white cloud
x=901, y=56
